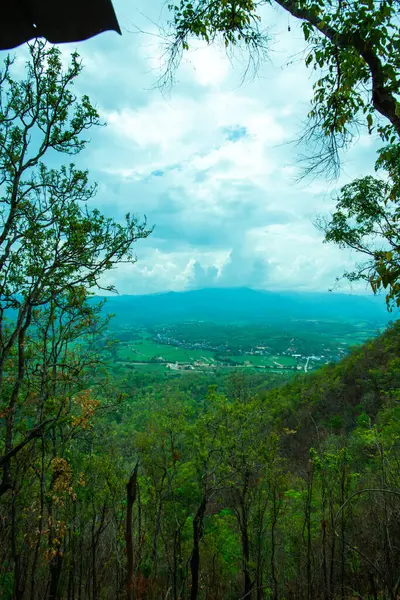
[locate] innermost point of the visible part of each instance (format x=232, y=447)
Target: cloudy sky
x=211, y=161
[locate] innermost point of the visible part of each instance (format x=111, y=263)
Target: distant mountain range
x=245, y=305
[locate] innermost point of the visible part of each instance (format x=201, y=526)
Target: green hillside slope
x=284, y=493
x=333, y=399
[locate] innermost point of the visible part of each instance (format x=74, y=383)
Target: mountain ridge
x=245, y=304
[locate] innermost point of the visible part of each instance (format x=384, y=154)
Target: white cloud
x=207, y=65
x=210, y=163
x=186, y=130
x=290, y=256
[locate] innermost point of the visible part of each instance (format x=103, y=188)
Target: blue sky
x=209, y=162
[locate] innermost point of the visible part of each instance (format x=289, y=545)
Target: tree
x=356, y=48
x=54, y=250
x=131, y=490
x=354, y=44
x=211, y=472
x=366, y=220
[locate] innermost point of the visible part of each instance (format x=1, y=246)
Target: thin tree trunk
x=273, y=543
x=374, y=593
x=323, y=525
x=131, y=497
x=40, y=524
x=259, y=569
x=55, y=572
x=246, y=559
x=18, y=591
x=243, y=522
x=342, y=528
x=139, y=528
x=195, y=559
x=333, y=550
x=72, y=549
x=80, y=567
x=157, y=527
x=12, y=406
x=308, y=517
x=175, y=566
x=94, y=573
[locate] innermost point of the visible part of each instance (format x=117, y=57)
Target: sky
x=211, y=161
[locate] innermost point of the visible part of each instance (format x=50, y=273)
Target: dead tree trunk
x=131, y=497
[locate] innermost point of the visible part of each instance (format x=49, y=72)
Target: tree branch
x=383, y=99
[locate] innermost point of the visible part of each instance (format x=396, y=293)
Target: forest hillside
x=289, y=492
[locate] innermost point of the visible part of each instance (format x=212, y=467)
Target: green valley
x=292, y=345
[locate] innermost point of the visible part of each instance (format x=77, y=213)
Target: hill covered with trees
x=289, y=492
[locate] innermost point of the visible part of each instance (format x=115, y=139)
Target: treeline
x=54, y=251
x=291, y=493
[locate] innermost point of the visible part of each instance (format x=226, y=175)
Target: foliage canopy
x=54, y=249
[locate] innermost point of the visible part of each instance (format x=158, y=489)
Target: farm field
x=201, y=346
x=146, y=350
